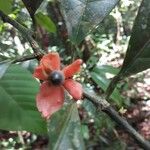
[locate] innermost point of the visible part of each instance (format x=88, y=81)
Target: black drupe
x=56, y=77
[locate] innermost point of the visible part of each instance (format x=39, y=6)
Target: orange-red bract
x=51, y=97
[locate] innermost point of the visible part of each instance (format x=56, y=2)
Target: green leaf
x=45, y=22
x=106, y=69
x=85, y=132
x=82, y=16
x=138, y=53
x=99, y=77
x=32, y=5
x=89, y=107
x=65, y=130
x=6, y=6
x=17, y=102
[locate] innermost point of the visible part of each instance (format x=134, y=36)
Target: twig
x=25, y=32
x=25, y=58
x=104, y=106
x=62, y=30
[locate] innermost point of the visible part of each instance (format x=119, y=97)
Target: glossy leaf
x=32, y=5
x=82, y=16
x=99, y=77
x=17, y=101
x=45, y=22
x=106, y=69
x=138, y=53
x=65, y=130
x=6, y=6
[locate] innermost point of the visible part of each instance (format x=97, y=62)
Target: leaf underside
x=82, y=16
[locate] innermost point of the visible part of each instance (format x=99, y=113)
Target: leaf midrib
x=64, y=128
x=12, y=98
x=86, y=2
